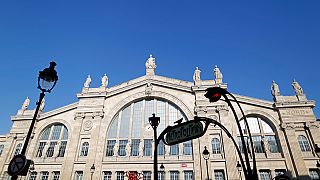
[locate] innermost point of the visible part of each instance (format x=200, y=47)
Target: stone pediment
x=138, y=82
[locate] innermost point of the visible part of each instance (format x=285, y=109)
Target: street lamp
x=214, y=94
x=92, y=169
x=162, y=171
x=239, y=169
x=47, y=80
x=154, y=122
x=206, y=156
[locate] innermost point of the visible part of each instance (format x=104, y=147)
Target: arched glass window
x=84, y=149
x=216, y=147
x=263, y=136
x=131, y=125
x=18, y=149
x=304, y=143
x=53, y=140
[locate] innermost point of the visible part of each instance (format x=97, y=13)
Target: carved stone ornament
x=80, y=115
x=87, y=125
x=287, y=126
x=312, y=125
x=148, y=89
x=98, y=114
x=201, y=108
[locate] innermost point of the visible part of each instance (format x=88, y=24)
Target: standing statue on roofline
x=87, y=83
x=297, y=88
x=104, y=81
x=275, y=89
x=217, y=74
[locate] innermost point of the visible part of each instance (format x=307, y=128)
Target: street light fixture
x=47, y=80
x=214, y=94
x=154, y=122
x=206, y=156
x=92, y=169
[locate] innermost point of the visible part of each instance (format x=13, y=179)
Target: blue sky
x=252, y=42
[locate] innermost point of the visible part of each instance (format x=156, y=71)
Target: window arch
x=263, y=136
x=18, y=149
x=131, y=125
x=216, y=146
x=84, y=149
x=304, y=143
x=53, y=140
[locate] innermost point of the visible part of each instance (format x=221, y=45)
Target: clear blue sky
x=252, y=42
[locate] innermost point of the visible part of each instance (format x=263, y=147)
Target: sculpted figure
x=217, y=74
x=141, y=148
x=196, y=75
x=41, y=108
x=25, y=104
x=104, y=81
x=275, y=89
x=297, y=88
x=88, y=81
x=151, y=63
x=128, y=149
x=115, y=149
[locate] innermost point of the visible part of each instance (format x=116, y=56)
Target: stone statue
x=151, y=63
x=115, y=149
x=275, y=89
x=265, y=143
x=42, y=104
x=167, y=150
x=128, y=149
x=217, y=74
x=104, y=81
x=88, y=81
x=196, y=75
x=141, y=148
x=297, y=88
x=25, y=104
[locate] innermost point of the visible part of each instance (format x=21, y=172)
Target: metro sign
x=184, y=132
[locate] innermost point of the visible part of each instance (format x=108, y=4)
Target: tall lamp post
x=239, y=169
x=92, y=169
x=206, y=156
x=154, y=122
x=47, y=80
x=214, y=94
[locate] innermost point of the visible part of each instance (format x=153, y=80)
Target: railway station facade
x=108, y=128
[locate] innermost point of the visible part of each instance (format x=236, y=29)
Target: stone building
x=108, y=128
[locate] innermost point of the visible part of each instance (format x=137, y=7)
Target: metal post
x=207, y=169
x=155, y=159
x=25, y=145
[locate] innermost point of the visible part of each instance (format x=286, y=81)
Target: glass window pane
x=56, y=132
x=33, y=176
x=125, y=122
x=135, y=147
x=65, y=133
x=79, y=175
x=173, y=115
x=44, y=175
x=303, y=143
x=120, y=175
x=266, y=128
x=219, y=175
x=161, y=112
x=147, y=147
x=56, y=175
x=148, y=110
x=257, y=144
x=122, y=147
x=314, y=174
x=137, y=120
x=253, y=125
x=174, y=149
x=84, y=149
x=265, y=175
x=110, y=147
x=112, y=132
x=188, y=175
x=174, y=175
x=45, y=134
x=272, y=143
x=187, y=148
x=216, y=147
x=62, y=148
x=18, y=149
x=146, y=175
x=161, y=148
x=1, y=148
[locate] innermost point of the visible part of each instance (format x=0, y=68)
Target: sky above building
x=252, y=43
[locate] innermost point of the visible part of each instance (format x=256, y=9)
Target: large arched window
x=304, y=143
x=53, y=140
x=263, y=136
x=131, y=125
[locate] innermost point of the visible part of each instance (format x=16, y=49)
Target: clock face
x=147, y=127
